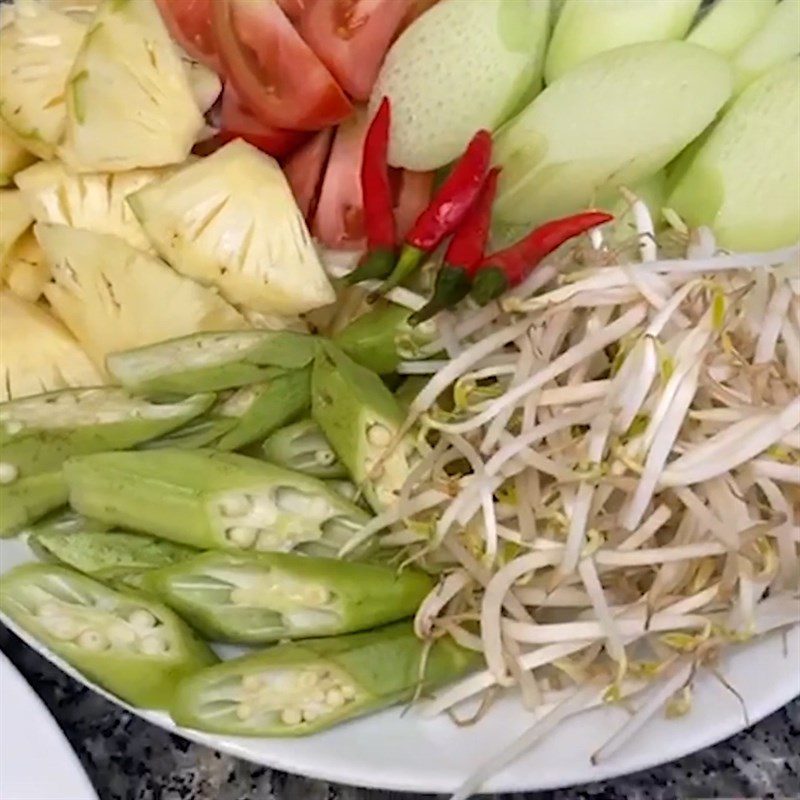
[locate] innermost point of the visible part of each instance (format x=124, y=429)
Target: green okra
x=346, y=489
x=38, y=433
x=27, y=500
x=247, y=415
x=133, y=646
x=256, y=598
x=66, y=521
x=303, y=687
x=109, y=556
x=212, y=500
x=361, y=419
x=303, y=447
x=211, y=361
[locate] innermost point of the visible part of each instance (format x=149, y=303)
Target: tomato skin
x=293, y=8
x=273, y=70
x=304, y=170
x=351, y=38
x=417, y=9
x=189, y=24
x=339, y=219
x=237, y=122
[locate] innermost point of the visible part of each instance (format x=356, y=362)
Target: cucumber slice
x=26, y=270
x=614, y=120
x=114, y=297
x=93, y=201
x=587, y=27
x=56, y=362
x=38, y=48
x=15, y=219
x=744, y=180
x=464, y=62
x=230, y=220
x=13, y=156
x=129, y=103
x=730, y=23
x=776, y=41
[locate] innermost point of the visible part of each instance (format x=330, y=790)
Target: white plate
x=30, y=739
x=403, y=752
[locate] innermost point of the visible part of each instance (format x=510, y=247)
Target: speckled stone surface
x=129, y=759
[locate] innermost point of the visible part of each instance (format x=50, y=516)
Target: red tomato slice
x=293, y=8
x=238, y=123
x=274, y=71
x=304, y=170
x=418, y=8
x=189, y=23
x=414, y=192
x=339, y=219
x=352, y=37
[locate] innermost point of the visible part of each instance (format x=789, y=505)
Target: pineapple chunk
x=27, y=272
x=129, y=103
x=37, y=353
x=15, y=219
x=205, y=83
x=230, y=220
x=86, y=200
x=39, y=48
x=13, y=156
x=114, y=297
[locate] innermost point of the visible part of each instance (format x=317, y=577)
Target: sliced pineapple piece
x=205, y=83
x=230, y=220
x=114, y=297
x=129, y=103
x=13, y=156
x=37, y=353
x=91, y=200
x=15, y=219
x=39, y=48
x=27, y=272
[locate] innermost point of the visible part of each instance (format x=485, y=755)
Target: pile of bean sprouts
x=608, y=475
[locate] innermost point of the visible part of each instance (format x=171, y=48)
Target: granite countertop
x=129, y=759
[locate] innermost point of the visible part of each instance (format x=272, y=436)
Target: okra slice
x=133, y=646
x=212, y=500
x=28, y=499
x=66, y=521
x=256, y=598
x=303, y=447
x=109, y=556
x=38, y=433
x=207, y=362
x=303, y=687
x=361, y=419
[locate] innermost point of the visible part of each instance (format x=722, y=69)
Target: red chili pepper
x=464, y=254
x=444, y=214
x=511, y=266
x=376, y=191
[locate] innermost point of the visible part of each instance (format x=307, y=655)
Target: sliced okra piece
x=299, y=688
x=303, y=447
x=38, y=433
x=65, y=521
x=27, y=500
x=347, y=489
x=361, y=419
x=211, y=361
x=135, y=647
x=255, y=598
x=109, y=556
x=380, y=339
x=212, y=500
x=204, y=431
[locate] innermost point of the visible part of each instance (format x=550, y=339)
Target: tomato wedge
x=352, y=37
x=339, y=219
x=189, y=24
x=304, y=170
x=414, y=190
x=417, y=9
x=237, y=122
x=273, y=70
x=293, y=8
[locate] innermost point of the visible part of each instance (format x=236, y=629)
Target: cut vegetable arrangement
x=535, y=430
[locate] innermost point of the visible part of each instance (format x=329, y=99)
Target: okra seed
x=318, y=696
x=242, y=536
x=8, y=472
x=93, y=640
x=348, y=692
x=235, y=506
x=244, y=711
x=13, y=427
x=334, y=698
x=153, y=645
x=62, y=627
x=291, y=716
x=316, y=596
x=310, y=714
x=141, y=619
x=379, y=435
x=251, y=683
x=307, y=680
x=121, y=634
x=324, y=457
